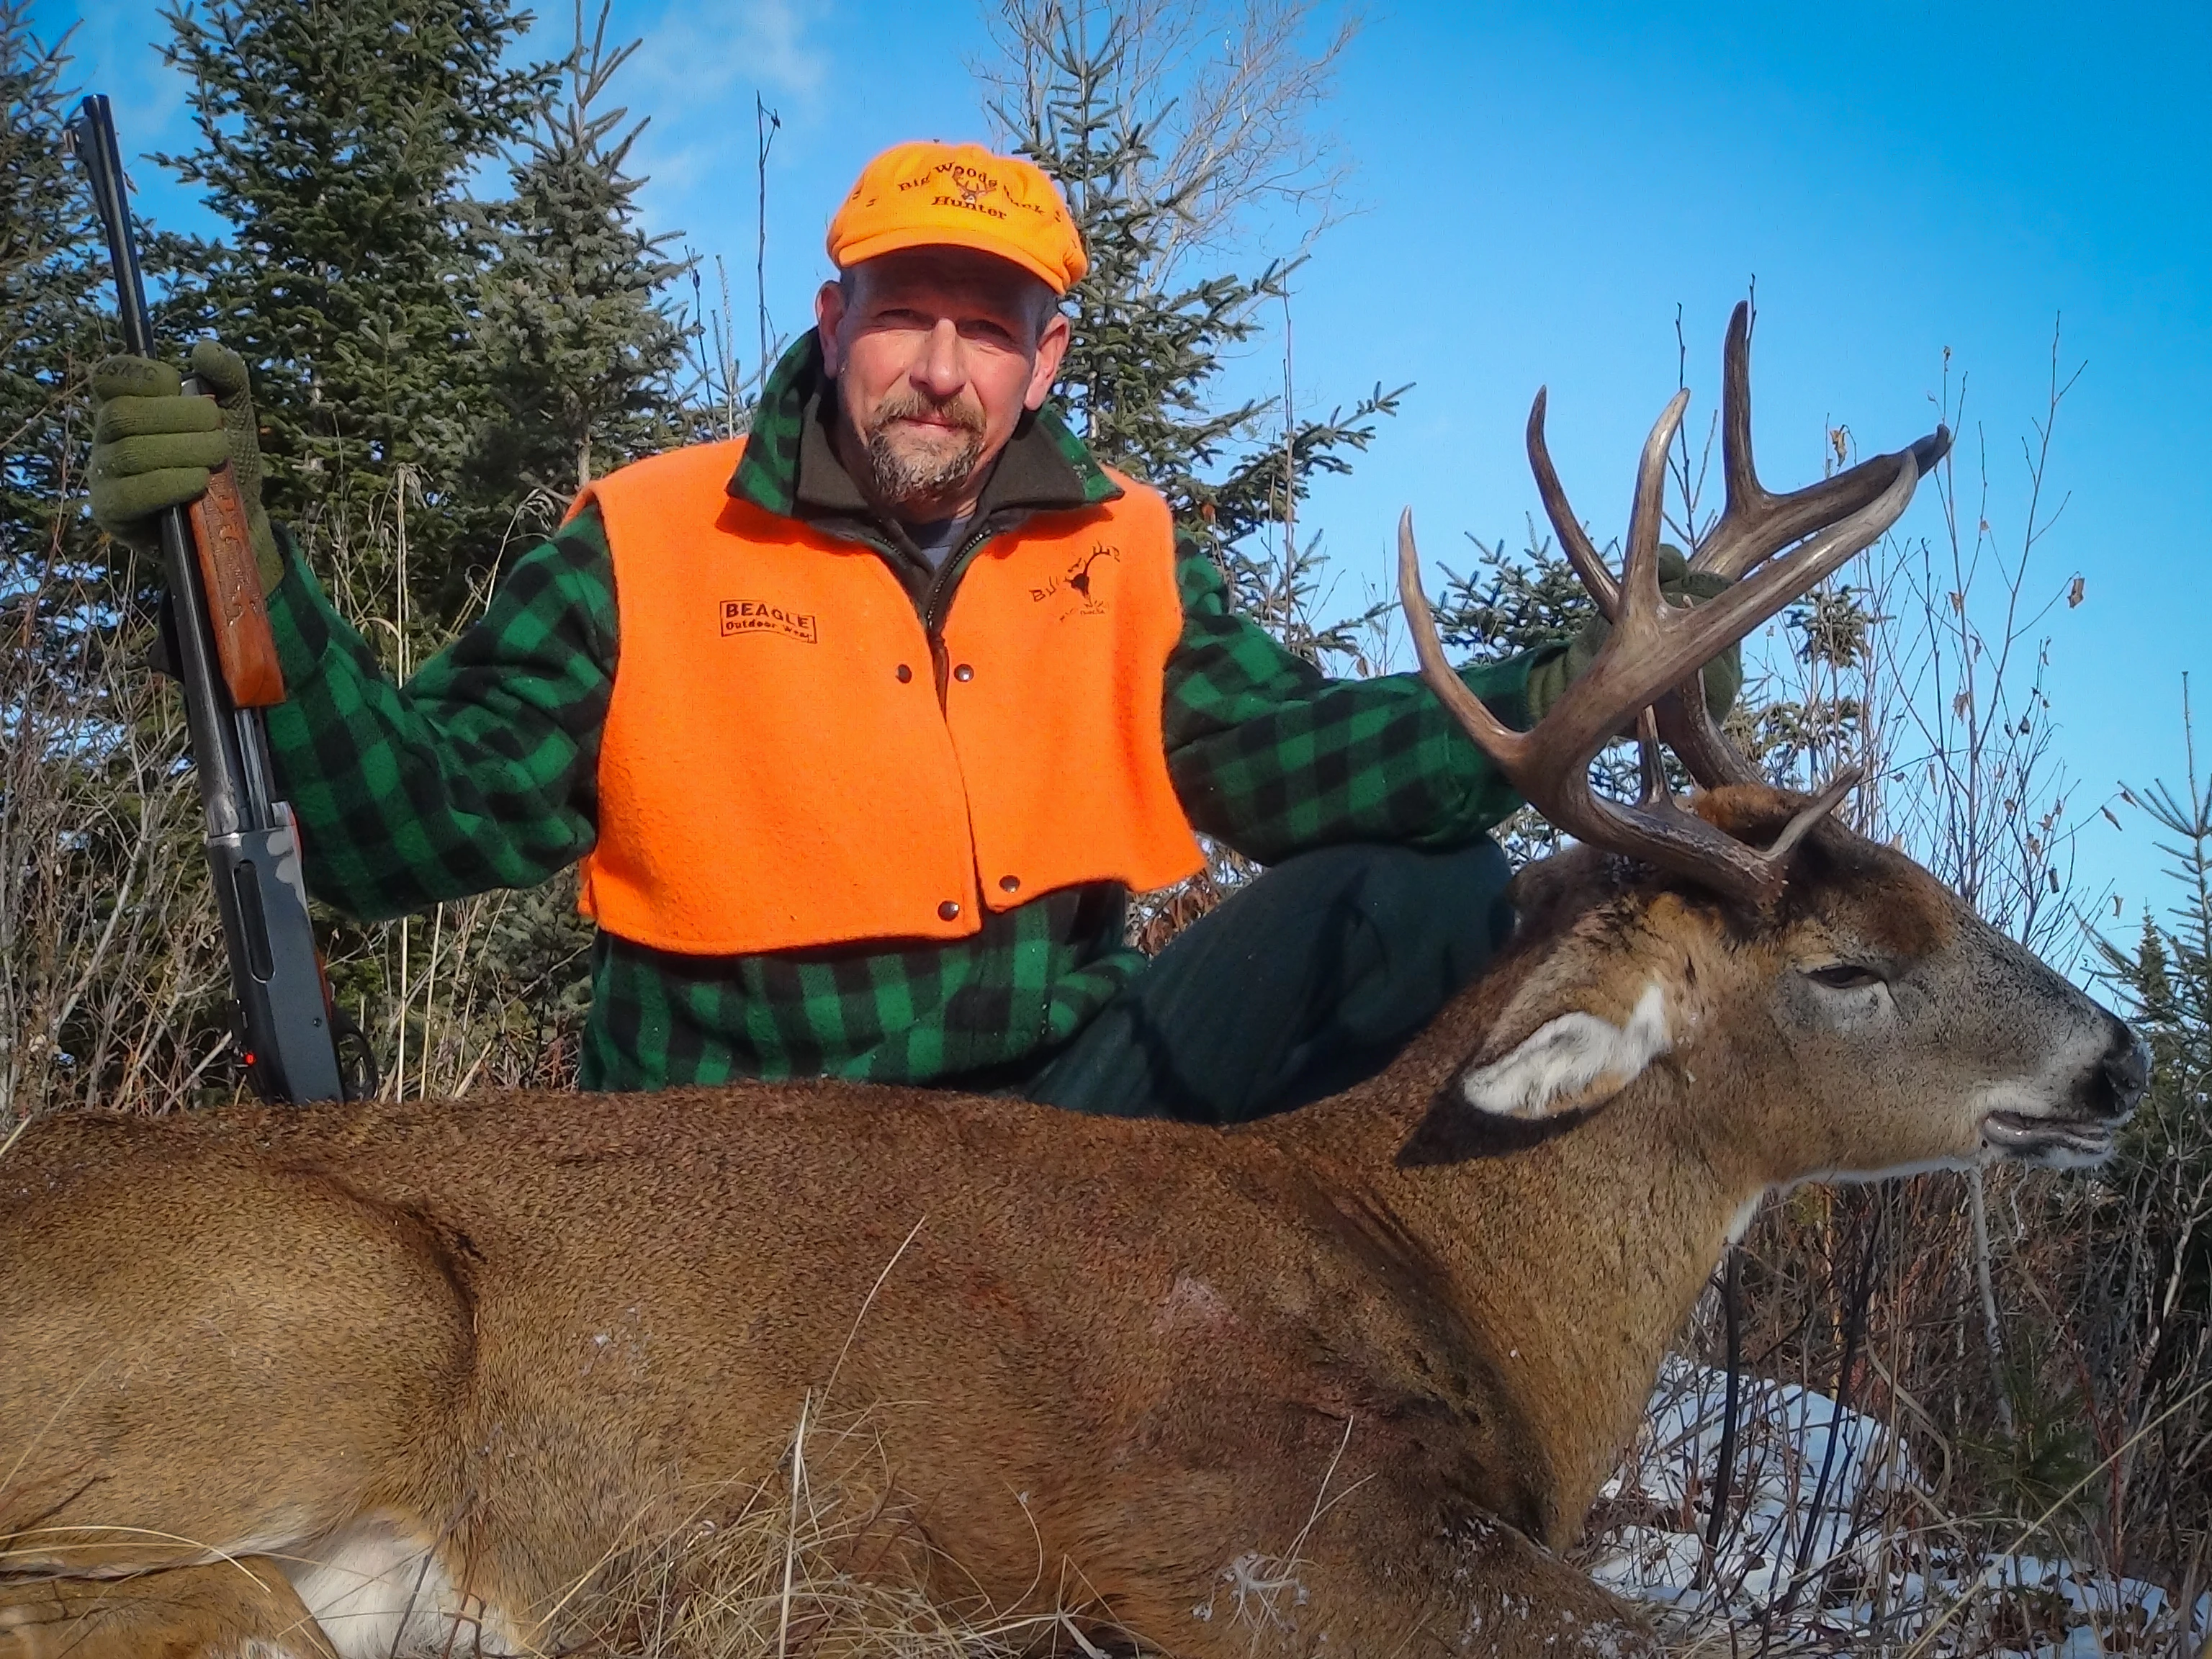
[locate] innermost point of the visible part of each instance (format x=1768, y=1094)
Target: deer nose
x=2125, y=1073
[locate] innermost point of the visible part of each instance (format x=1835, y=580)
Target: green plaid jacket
x=481, y=772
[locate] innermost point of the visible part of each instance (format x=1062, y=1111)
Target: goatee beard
x=916, y=474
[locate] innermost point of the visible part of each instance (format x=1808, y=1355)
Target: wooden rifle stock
x=236, y=615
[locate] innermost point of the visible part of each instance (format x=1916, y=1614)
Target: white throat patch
x=1557, y=1065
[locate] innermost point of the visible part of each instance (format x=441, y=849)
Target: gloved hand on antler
x=153, y=447
x=1724, y=676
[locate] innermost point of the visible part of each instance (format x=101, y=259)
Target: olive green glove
x=153, y=447
x=1724, y=676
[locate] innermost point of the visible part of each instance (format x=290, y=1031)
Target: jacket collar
x=790, y=467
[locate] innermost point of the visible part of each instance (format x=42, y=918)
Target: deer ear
x=1568, y=1064
x=1567, y=1067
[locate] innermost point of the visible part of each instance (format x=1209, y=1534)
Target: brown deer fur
x=1333, y=1383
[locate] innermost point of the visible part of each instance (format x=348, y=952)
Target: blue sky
x=1539, y=186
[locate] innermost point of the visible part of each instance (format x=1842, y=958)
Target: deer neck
x=1574, y=1261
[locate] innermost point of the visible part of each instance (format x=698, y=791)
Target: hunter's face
x=937, y=352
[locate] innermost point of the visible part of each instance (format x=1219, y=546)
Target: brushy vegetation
x=2037, y=1343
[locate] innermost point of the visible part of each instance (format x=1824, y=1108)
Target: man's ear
x=1566, y=1068
x=1052, y=349
x=829, y=316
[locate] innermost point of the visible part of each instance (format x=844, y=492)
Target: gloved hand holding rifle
x=154, y=448
x=180, y=471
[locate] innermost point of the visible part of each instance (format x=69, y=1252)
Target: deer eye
x=1844, y=976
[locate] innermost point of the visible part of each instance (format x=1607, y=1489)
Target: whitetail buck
x=400, y=1379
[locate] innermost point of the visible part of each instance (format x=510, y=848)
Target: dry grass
x=113, y=986
x=1936, y=1554
x=820, y=1559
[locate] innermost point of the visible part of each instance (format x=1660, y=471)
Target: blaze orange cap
x=925, y=194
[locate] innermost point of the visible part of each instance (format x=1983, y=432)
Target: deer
x=401, y=1378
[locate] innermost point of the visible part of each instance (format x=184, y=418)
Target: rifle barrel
x=93, y=133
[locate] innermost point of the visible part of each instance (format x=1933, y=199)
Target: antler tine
x=1707, y=755
x=1755, y=522
x=1739, y=471
x=1651, y=762
x=1648, y=508
x=1574, y=542
x=1509, y=748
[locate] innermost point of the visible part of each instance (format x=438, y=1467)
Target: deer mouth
x=2062, y=1142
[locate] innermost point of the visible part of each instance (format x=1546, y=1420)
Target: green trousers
x=1300, y=984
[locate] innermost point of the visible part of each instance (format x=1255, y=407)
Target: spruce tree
x=57, y=299
x=51, y=277
x=2150, y=1286
x=582, y=349
x=1142, y=377
x=336, y=142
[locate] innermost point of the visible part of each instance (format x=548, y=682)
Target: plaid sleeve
x=482, y=770
x=1273, y=758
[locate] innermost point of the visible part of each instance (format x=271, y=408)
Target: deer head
x=1863, y=1018
x=1864, y=1023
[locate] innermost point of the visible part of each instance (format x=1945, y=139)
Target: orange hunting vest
x=784, y=764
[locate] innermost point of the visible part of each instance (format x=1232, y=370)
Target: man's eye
x=1844, y=976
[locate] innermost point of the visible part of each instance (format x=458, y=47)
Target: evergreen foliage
x=1510, y=602
x=335, y=144
x=582, y=353
x=2152, y=1289
x=1142, y=380
x=51, y=270
x=58, y=298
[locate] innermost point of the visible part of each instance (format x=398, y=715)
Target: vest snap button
x=905, y=673
x=964, y=673
x=1010, y=883
x=949, y=911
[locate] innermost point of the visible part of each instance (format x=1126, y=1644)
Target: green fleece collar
x=790, y=469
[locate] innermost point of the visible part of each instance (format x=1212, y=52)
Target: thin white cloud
x=701, y=63
x=702, y=50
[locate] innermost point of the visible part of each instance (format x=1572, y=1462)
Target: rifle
x=217, y=644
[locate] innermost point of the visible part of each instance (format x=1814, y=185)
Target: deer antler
x=1655, y=648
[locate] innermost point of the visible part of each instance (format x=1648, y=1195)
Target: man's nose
x=942, y=369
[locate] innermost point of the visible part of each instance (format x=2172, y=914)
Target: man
x=865, y=726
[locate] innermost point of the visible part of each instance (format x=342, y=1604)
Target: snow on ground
x=1830, y=1528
